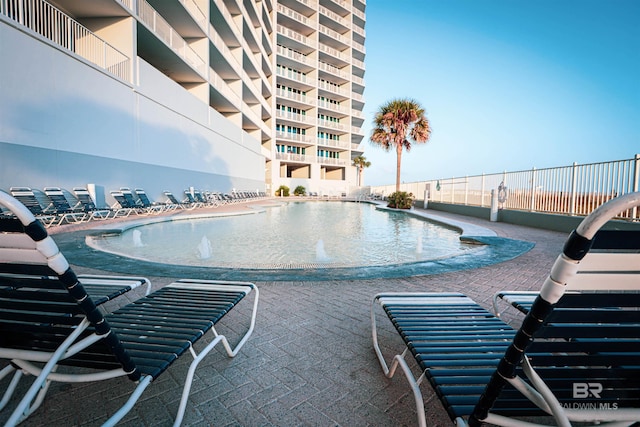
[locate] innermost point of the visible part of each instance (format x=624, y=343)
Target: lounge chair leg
x=197, y=358
x=232, y=352
x=415, y=387
x=398, y=360
x=189, y=379
x=124, y=410
x=12, y=385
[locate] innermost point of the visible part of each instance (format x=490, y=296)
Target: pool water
x=291, y=236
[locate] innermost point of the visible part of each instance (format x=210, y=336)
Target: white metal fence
x=569, y=190
x=48, y=21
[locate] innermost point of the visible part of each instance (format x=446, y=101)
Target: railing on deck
x=44, y=19
x=568, y=190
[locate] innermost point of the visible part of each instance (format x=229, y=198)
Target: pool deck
x=310, y=360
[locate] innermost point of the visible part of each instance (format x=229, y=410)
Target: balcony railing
x=358, y=46
x=294, y=35
x=292, y=54
x=331, y=14
x=52, y=24
x=291, y=75
x=357, y=80
x=332, y=88
x=166, y=33
x=331, y=106
x=293, y=96
x=330, y=124
x=288, y=115
x=567, y=190
x=358, y=63
x=292, y=157
x=195, y=12
x=288, y=136
x=334, y=34
x=333, y=52
x=357, y=12
x=333, y=143
x=333, y=70
x=296, y=16
x=332, y=161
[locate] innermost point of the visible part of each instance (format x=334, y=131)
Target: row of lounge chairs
x=54, y=206
x=54, y=326
x=574, y=356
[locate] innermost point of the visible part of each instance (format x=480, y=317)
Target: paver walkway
x=310, y=360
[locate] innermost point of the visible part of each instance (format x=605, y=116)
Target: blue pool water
x=291, y=236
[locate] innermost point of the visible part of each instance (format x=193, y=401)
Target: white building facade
x=172, y=94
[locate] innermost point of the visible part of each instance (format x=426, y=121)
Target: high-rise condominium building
x=218, y=95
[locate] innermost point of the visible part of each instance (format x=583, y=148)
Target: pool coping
x=491, y=250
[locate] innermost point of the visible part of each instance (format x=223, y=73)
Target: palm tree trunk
x=399, y=153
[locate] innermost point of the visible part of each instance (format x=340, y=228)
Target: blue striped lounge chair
x=175, y=203
x=614, y=258
x=61, y=206
x=49, y=317
x=155, y=208
x=27, y=197
x=86, y=203
x=573, y=360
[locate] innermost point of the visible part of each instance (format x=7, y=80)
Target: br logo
x=585, y=390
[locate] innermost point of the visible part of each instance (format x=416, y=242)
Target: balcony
x=296, y=118
x=324, y=142
x=291, y=157
x=333, y=38
x=334, y=55
x=333, y=20
x=163, y=31
x=295, y=20
x=331, y=106
x=338, y=6
x=332, y=88
x=358, y=46
x=288, y=37
x=294, y=137
x=294, y=57
x=328, y=124
x=332, y=161
x=293, y=76
x=294, y=99
x=357, y=12
x=57, y=27
x=359, y=30
x=335, y=71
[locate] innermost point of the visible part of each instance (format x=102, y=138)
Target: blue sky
x=506, y=84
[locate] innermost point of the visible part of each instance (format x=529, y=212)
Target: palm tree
x=361, y=162
x=397, y=124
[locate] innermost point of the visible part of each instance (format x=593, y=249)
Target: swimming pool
x=85, y=247
x=291, y=236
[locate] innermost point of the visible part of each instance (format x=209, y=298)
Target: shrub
x=300, y=191
x=283, y=191
x=400, y=200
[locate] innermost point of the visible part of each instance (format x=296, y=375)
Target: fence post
x=453, y=190
x=466, y=190
x=636, y=173
x=493, y=212
x=574, y=183
x=636, y=182
x=533, y=190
